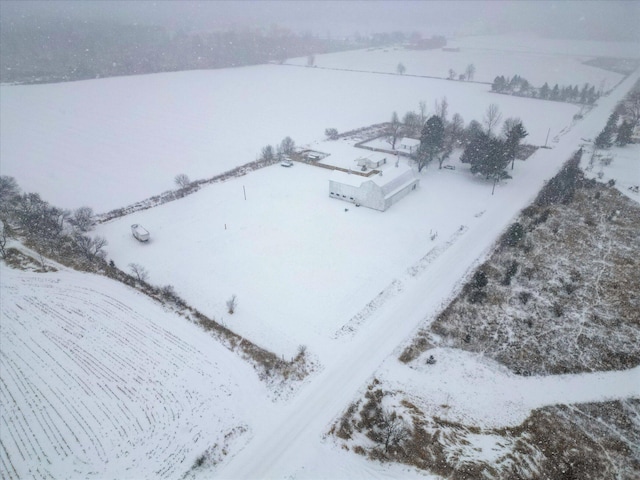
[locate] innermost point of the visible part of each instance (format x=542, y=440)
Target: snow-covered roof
x=409, y=142
x=374, y=157
x=351, y=179
x=390, y=180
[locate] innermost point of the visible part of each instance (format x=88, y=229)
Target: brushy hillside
x=586, y=441
x=560, y=292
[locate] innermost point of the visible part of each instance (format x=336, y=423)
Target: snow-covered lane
x=478, y=391
x=286, y=442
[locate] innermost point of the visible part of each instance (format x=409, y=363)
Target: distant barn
x=378, y=191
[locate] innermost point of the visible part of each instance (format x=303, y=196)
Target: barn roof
x=392, y=179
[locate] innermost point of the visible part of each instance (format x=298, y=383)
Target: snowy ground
x=307, y=418
x=99, y=382
x=537, y=61
x=500, y=398
x=111, y=142
x=532, y=44
x=303, y=268
x=352, y=285
x=623, y=168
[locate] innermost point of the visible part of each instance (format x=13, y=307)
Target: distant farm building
x=378, y=191
x=373, y=160
x=408, y=145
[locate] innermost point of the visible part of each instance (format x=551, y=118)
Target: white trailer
x=140, y=233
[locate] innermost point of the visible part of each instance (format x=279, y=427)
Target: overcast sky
x=583, y=19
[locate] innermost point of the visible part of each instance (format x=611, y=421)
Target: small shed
x=379, y=191
x=408, y=145
x=373, y=160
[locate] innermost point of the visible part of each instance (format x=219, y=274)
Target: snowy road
x=288, y=436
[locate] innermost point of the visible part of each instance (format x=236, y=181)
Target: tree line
x=487, y=151
x=49, y=230
x=56, y=50
x=520, y=86
x=621, y=133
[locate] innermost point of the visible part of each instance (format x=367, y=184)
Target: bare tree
x=182, y=180
x=91, y=248
x=287, y=146
x=311, y=60
x=470, y=71
x=401, y=68
x=411, y=121
x=492, y=117
x=139, y=271
x=453, y=134
x=331, y=133
x=394, y=130
x=268, y=154
x=452, y=74
x=422, y=108
x=509, y=124
x=394, y=430
x=82, y=219
x=232, y=303
x=456, y=128
x=5, y=234
x=442, y=108
x=9, y=191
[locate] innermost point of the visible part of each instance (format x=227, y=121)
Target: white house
x=373, y=160
x=378, y=191
x=408, y=145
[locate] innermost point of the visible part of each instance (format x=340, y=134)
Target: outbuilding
x=408, y=145
x=378, y=191
x=373, y=160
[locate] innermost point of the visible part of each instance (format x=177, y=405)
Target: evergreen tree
x=487, y=155
x=431, y=141
x=512, y=142
x=472, y=131
x=604, y=139
x=612, y=122
x=624, y=134
x=584, y=93
x=544, y=91
x=499, y=84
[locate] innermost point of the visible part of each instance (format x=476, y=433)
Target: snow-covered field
x=98, y=381
x=532, y=44
x=111, y=142
x=537, y=61
x=300, y=264
x=620, y=164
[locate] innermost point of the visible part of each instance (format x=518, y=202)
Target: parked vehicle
x=287, y=163
x=140, y=233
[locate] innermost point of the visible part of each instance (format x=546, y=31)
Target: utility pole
x=545, y=142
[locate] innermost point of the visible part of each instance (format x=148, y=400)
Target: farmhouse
x=378, y=191
x=373, y=160
x=408, y=145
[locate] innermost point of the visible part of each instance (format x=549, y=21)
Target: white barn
x=378, y=191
